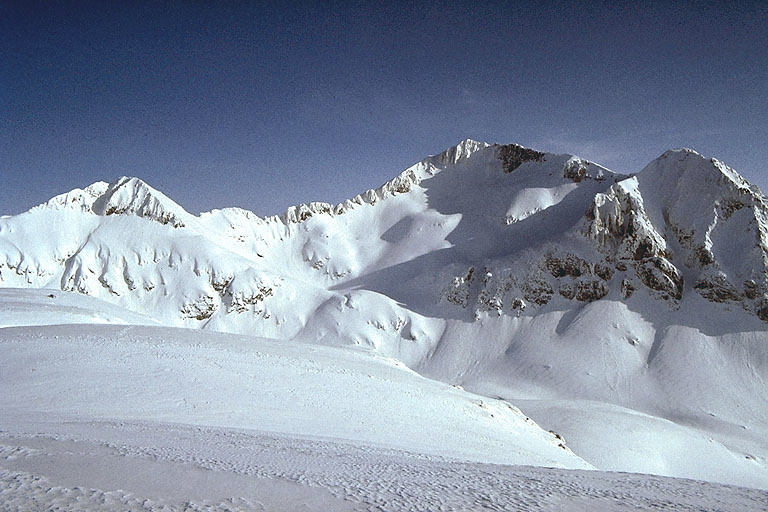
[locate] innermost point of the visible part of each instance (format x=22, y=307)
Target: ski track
x=177, y=467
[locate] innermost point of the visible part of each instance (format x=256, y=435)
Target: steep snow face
x=687, y=224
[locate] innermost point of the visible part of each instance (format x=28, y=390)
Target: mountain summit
x=510, y=271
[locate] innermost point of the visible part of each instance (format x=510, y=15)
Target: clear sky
x=263, y=105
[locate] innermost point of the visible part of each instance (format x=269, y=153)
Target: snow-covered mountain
x=551, y=226
x=627, y=312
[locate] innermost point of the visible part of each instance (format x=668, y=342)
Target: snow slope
x=631, y=305
x=25, y=306
x=243, y=382
x=134, y=417
x=150, y=466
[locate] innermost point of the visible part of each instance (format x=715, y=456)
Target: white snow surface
x=382, y=352
x=131, y=417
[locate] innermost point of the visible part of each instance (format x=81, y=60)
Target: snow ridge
x=400, y=184
x=77, y=198
x=670, y=226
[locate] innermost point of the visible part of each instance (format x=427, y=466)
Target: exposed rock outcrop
x=577, y=170
x=513, y=156
x=622, y=230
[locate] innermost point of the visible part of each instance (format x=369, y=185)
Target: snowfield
x=155, y=466
x=494, y=329
x=130, y=417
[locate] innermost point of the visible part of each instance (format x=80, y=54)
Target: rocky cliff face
x=706, y=233
x=620, y=228
x=685, y=225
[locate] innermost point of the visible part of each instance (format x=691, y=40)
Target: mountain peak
x=461, y=151
x=687, y=168
x=129, y=195
x=126, y=195
x=682, y=152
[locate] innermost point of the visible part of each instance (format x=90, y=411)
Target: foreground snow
x=107, y=465
x=141, y=417
x=187, y=376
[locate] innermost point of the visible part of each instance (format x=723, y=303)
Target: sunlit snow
x=495, y=328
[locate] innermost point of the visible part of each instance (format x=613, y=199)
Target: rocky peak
x=461, y=151
x=687, y=215
x=131, y=196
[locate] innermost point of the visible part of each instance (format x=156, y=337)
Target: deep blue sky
x=264, y=105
